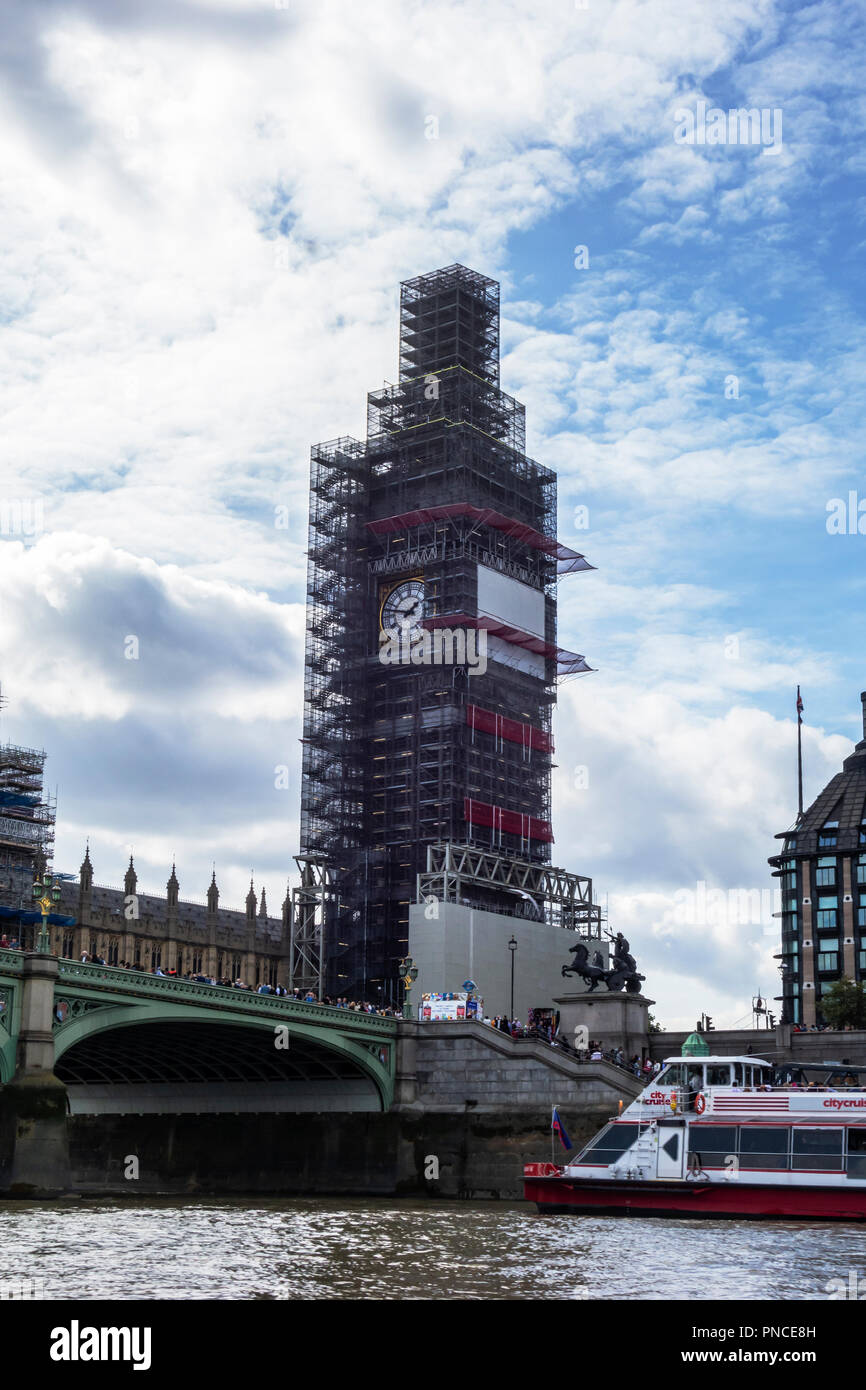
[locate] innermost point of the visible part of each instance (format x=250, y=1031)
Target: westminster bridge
x=122, y=1039
x=111, y=1076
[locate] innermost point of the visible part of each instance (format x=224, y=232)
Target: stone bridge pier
x=34, y=1147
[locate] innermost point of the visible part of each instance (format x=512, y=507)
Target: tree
x=653, y=1027
x=844, y=1004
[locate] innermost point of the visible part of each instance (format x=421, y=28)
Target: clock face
x=403, y=608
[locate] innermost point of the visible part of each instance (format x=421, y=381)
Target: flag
x=559, y=1129
x=799, y=707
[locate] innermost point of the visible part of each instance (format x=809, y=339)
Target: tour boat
x=723, y=1136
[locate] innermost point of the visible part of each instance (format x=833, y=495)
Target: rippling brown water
x=409, y=1250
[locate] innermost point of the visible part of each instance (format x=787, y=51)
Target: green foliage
x=652, y=1026
x=844, y=1004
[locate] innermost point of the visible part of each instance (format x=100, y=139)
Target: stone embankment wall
x=780, y=1044
x=474, y=1106
x=473, y=1066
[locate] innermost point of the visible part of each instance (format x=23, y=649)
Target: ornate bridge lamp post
x=512, y=946
x=410, y=975
x=46, y=893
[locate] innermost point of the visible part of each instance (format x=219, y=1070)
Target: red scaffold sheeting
x=512, y=730
x=514, y=822
x=568, y=561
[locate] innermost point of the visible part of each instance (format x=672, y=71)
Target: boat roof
x=761, y=1061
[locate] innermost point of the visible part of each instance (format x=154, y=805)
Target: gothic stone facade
x=125, y=926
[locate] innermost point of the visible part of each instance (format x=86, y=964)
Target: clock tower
x=431, y=661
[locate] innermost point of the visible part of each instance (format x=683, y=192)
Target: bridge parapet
x=141, y=985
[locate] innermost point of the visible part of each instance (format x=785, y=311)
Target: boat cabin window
x=719, y=1075
x=857, y=1153
x=714, y=1144
x=763, y=1147
x=610, y=1145
x=673, y=1076
x=818, y=1149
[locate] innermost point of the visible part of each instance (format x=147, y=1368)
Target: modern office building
x=432, y=658
x=822, y=876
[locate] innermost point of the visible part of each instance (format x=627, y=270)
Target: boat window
x=857, y=1153
x=818, y=1148
x=763, y=1147
x=738, y=1073
x=673, y=1076
x=609, y=1145
x=714, y=1143
x=719, y=1075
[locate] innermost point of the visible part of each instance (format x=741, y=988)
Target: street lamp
x=512, y=946
x=46, y=892
x=409, y=971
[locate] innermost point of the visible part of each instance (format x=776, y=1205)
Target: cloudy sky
x=208, y=207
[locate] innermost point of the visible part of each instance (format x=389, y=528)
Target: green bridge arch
x=93, y=1001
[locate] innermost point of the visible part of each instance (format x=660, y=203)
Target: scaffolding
x=450, y=318
x=392, y=765
x=467, y=876
x=27, y=816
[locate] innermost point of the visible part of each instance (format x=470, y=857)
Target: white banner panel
x=517, y=604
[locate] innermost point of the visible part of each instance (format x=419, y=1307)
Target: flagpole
x=799, y=756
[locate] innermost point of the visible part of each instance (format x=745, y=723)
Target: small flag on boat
x=559, y=1129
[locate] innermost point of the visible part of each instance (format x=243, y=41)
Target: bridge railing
x=108, y=977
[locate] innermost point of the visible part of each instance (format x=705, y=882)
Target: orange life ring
x=700, y=1103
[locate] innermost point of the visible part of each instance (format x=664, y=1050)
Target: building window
x=196, y=962
x=861, y=869
x=861, y=915
x=178, y=964
x=273, y=968
x=825, y=873
x=67, y=948
x=827, y=835
x=826, y=919
x=94, y=948
x=156, y=957
x=220, y=964
x=137, y=955
x=236, y=967
x=113, y=950
x=828, y=960
x=862, y=959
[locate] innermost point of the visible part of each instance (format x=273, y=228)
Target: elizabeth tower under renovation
x=431, y=656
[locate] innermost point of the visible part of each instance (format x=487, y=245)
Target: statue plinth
x=611, y=1018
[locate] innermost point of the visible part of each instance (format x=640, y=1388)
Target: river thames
x=346, y=1249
